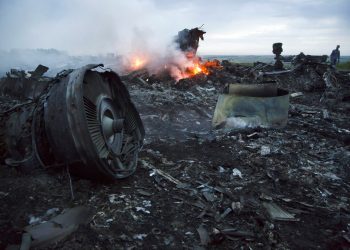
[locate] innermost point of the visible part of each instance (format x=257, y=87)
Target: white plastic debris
x=238, y=122
x=146, y=203
x=34, y=220
x=331, y=176
x=277, y=213
x=152, y=172
x=325, y=114
x=142, y=209
x=236, y=172
x=236, y=206
x=265, y=150
x=139, y=236
x=52, y=211
x=112, y=198
x=293, y=95
x=221, y=169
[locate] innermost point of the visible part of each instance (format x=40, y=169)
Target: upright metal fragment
x=252, y=105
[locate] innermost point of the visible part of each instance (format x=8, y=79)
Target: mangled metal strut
x=83, y=119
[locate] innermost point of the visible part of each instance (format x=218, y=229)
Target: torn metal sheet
x=203, y=235
x=39, y=71
x=277, y=213
x=58, y=228
x=252, y=105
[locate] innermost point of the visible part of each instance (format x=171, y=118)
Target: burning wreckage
x=234, y=156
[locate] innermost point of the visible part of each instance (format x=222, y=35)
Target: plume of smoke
x=147, y=51
x=86, y=31
x=157, y=60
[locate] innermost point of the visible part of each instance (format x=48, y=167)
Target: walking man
x=335, y=56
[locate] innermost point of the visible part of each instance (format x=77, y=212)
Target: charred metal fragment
x=83, y=119
x=188, y=40
x=308, y=59
x=277, y=50
x=39, y=71
x=252, y=105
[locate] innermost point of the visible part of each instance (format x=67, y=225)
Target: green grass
x=251, y=64
x=344, y=66
x=340, y=66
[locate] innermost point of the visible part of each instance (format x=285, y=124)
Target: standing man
x=335, y=56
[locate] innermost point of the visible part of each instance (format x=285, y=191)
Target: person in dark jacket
x=335, y=56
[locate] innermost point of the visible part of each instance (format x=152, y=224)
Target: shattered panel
x=250, y=106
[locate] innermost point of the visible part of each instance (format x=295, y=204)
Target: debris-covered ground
x=196, y=188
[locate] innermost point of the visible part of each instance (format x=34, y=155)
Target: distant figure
x=335, y=56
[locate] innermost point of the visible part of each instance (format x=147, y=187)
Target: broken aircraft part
x=277, y=50
x=308, y=59
x=57, y=228
x=252, y=105
x=83, y=119
x=188, y=40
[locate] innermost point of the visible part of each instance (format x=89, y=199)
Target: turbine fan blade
x=94, y=128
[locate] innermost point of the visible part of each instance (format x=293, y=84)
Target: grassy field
x=344, y=66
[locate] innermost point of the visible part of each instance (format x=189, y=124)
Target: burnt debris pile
x=250, y=185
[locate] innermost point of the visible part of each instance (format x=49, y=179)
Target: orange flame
x=138, y=63
x=188, y=68
x=196, y=69
x=201, y=68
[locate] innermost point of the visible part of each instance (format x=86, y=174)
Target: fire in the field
x=200, y=67
x=178, y=69
x=138, y=62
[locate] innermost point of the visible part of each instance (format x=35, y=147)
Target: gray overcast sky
x=241, y=27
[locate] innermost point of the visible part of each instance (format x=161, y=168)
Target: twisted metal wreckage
x=85, y=121
x=82, y=119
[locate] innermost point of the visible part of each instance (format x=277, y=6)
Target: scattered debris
x=236, y=172
x=331, y=176
x=265, y=150
x=225, y=213
x=58, y=227
x=203, y=187
x=276, y=213
x=162, y=173
x=139, y=236
x=142, y=209
x=236, y=206
x=203, y=235
x=297, y=94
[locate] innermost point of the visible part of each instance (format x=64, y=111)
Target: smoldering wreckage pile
x=233, y=157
